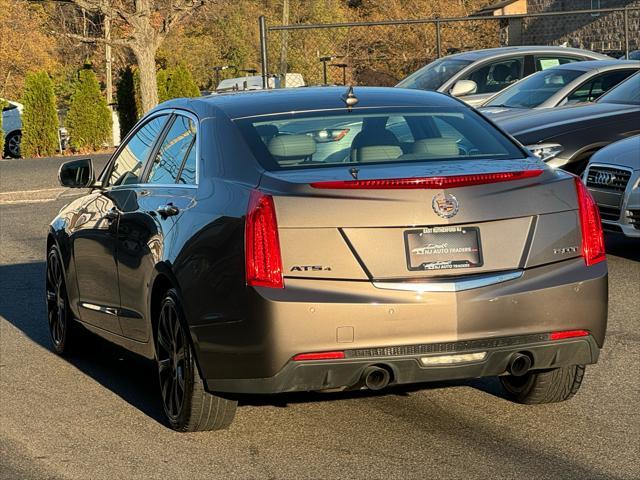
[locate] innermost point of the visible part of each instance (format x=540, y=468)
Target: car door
x=153, y=210
x=94, y=229
x=491, y=77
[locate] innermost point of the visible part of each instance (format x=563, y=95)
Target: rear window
x=373, y=136
x=628, y=92
x=535, y=89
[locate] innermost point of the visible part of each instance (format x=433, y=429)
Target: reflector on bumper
x=453, y=359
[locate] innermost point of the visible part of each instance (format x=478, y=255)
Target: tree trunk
x=146, y=58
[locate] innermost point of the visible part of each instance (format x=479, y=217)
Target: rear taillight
x=429, y=182
x=568, y=334
x=262, y=247
x=591, y=226
x=336, y=355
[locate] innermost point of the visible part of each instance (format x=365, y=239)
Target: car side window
x=128, y=165
x=400, y=128
x=188, y=173
x=591, y=90
x=544, y=62
x=174, y=150
x=495, y=76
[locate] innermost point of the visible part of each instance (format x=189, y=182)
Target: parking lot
x=97, y=414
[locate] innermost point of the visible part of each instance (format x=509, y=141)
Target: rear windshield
x=628, y=92
x=534, y=90
x=374, y=136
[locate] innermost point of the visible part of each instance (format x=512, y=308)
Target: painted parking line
x=32, y=196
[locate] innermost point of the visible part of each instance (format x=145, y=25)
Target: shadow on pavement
x=131, y=377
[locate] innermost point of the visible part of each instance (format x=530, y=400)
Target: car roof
x=589, y=65
x=475, y=55
x=304, y=99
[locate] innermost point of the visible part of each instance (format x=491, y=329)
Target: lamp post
x=343, y=66
x=324, y=60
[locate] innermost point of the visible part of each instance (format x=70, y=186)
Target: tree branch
x=104, y=7
x=179, y=11
x=116, y=42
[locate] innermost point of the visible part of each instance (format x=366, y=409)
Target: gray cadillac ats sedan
x=227, y=243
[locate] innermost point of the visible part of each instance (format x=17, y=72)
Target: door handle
x=112, y=215
x=168, y=210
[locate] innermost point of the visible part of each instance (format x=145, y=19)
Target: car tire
x=547, y=386
x=187, y=406
x=63, y=330
x=12, y=144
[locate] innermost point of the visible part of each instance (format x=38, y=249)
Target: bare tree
x=140, y=25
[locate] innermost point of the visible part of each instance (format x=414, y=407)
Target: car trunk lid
x=397, y=233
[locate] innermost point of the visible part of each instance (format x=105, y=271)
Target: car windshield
x=534, y=90
x=373, y=136
x=627, y=92
x=434, y=75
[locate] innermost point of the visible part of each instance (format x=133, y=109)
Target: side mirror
x=76, y=174
x=464, y=87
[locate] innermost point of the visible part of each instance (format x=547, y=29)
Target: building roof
x=489, y=9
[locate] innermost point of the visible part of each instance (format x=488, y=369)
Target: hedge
x=39, y=118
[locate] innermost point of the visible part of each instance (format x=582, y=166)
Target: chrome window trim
x=446, y=285
x=108, y=168
x=169, y=112
x=194, y=118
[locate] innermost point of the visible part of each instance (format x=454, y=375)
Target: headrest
x=292, y=146
x=500, y=72
x=267, y=130
x=436, y=147
x=377, y=153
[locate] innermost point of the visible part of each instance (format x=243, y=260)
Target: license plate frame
x=429, y=248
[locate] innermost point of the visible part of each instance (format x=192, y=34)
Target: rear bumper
x=253, y=353
x=347, y=373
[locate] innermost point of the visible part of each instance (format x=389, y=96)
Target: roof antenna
x=350, y=98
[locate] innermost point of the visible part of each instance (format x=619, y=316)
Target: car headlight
x=545, y=151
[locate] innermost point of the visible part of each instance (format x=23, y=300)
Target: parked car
x=243, y=263
x=566, y=137
x=578, y=82
x=613, y=178
x=254, y=82
x=477, y=75
x=12, y=127
x=633, y=55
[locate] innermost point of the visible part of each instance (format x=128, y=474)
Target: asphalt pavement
x=97, y=415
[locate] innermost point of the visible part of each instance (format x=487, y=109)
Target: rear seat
x=292, y=149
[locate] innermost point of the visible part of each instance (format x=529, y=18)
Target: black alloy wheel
x=187, y=405
x=57, y=305
x=544, y=386
x=12, y=145
x=173, y=364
